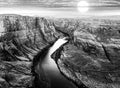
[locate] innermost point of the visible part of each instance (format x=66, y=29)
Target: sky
x=59, y=8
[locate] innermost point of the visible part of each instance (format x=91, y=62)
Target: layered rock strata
x=91, y=57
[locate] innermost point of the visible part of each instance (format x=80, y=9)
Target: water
x=56, y=78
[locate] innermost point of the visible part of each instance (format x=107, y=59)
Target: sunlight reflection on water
x=52, y=71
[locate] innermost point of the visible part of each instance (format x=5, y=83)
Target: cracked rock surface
x=91, y=57
x=20, y=41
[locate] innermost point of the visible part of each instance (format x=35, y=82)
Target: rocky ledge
x=91, y=57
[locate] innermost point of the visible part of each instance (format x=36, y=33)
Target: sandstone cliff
x=90, y=57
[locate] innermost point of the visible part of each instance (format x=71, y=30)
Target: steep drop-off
x=21, y=39
x=91, y=57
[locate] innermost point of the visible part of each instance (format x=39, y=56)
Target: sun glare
x=83, y=6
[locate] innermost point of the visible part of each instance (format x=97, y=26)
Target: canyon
x=90, y=58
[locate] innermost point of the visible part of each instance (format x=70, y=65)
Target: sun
x=83, y=6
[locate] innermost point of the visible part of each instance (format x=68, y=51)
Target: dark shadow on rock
x=56, y=55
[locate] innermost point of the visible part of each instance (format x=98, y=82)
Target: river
x=50, y=68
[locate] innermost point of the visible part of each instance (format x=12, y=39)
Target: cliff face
x=90, y=57
x=93, y=56
x=21, y=39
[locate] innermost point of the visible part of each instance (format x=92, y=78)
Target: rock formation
x=22, y=39
x=91, y=57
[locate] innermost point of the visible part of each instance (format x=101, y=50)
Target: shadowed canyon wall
x=91, y=57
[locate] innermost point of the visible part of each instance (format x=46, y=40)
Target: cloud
x=41, y=3
x=57, y=7
x=100, y=3
x=58, y=3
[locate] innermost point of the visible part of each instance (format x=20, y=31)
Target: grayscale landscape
x=59, y=44
x=89, y=57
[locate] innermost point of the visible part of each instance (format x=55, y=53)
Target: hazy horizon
x=59, y=8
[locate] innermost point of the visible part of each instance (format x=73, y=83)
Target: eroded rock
x=21, y=39
x=90, y=58
x=93, y=57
